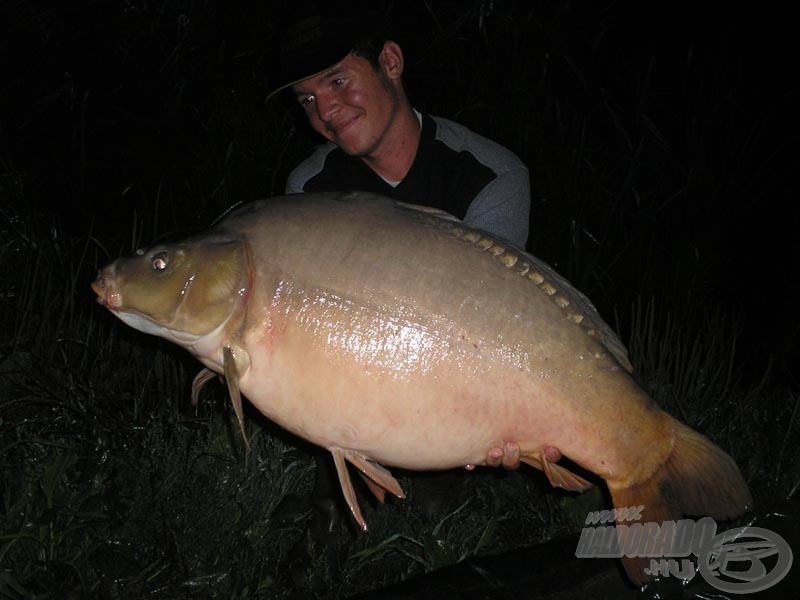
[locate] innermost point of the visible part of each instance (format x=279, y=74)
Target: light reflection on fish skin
x=390, y=344
x=187, y=285
x=396, y=341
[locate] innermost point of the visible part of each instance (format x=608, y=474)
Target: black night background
x=662, y=145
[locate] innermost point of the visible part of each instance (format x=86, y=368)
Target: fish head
x=184, y=291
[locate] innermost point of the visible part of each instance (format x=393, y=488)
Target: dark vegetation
x=661, y=146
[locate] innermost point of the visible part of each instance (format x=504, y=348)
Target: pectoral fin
x=557, y=475
x=200, y=380
x=232, y=379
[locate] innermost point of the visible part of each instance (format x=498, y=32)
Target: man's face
x=352, y=104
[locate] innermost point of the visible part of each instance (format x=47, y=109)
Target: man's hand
x=506, y=455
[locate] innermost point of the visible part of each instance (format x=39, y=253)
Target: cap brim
x=317, y=41
x=286, y=86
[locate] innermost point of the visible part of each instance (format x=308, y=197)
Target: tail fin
x=697, y=479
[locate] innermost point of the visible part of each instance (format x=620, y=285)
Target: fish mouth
x=99, y=288
x=103, y=287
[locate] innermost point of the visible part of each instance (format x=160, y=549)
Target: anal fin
x=559, y=476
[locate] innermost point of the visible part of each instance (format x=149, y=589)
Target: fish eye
x=159, y=261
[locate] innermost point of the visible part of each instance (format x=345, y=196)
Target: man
x=347, y=78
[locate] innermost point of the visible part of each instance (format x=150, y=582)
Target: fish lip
x=103, y=287
x=99, y=288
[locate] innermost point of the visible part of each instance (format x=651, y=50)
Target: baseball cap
x=317, y=38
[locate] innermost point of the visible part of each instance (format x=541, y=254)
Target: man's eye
x=339, y=81
x=306, y=100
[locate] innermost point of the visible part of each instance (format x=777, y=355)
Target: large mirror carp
x=394, y=335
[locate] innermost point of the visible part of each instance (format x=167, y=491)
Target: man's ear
x=391, y=60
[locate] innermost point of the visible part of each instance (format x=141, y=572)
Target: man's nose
x=327, y=106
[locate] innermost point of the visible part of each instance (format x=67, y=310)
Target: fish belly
x=420, y=397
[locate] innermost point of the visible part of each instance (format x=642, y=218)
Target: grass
x=114, y=487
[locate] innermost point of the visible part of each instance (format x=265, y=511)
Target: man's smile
x=340, y=127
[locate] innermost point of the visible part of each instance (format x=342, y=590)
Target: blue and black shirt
x=456, y=170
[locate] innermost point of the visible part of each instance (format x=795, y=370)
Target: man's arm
x=307, y=169
x=503, y=207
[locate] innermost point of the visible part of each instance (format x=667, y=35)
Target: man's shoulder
x=460, y=138
x=311, y=167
